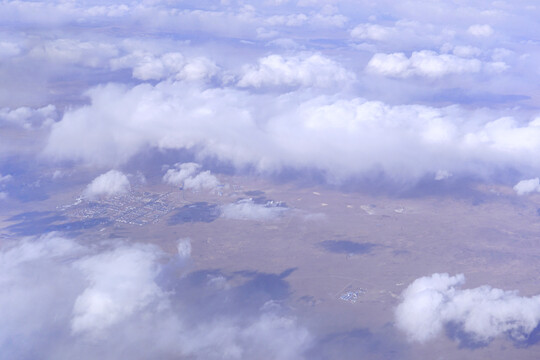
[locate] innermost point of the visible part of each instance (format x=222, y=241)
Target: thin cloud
x=247, y=209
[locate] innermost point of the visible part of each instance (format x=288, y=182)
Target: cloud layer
x=350, y=89
x=343, y=137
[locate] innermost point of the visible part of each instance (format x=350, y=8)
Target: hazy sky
x=399, y=92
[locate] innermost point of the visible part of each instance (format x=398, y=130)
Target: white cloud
x=430, y=303
x=305, y=70
x=203, y=180
x=187, y=176
x=184, y=248
x=466, y=51
x=5, y=178
x=247, y=129
x=288, y=20
x=404, y=35
x=442, y=175
x=284, y=43
x=180, y=173
x=33, y=282
x=267, y=338
x=527, y=186
x=501, y=54
x=328, y=18
x=343, y=137
x=8, y=49
x=110, y=183
x=72, y=51
x=424, y=63
x=247, y=209
x=106, y=301
x=396, y=64
x=372, y=32
x=108, y=10
x=293, y=110
x=480, y=30
x=121, y=283
x=275, y=334
x=29, y=118
x=174, y=65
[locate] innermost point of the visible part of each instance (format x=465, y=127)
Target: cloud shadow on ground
x=347, y=247
x=41, y=222
x=197, y=212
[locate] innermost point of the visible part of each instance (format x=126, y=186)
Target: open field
x=324, y=244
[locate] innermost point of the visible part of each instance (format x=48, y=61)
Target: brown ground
x=494, y=242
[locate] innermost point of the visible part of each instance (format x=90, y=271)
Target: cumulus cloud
x=174, y=65
x=434, y=302
x=247, y=209
x=121, y=283
x=180, y=173
x=29, y=118
x=268, y=86
x=527, y=186
x=110, y=183
x=108, y=302
x=237, y=110
x=187, y=176
x=429, y=64
x=343, y=137
x=203, y=180
x=304, y=70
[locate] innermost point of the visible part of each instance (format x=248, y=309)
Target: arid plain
x=321, y=243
